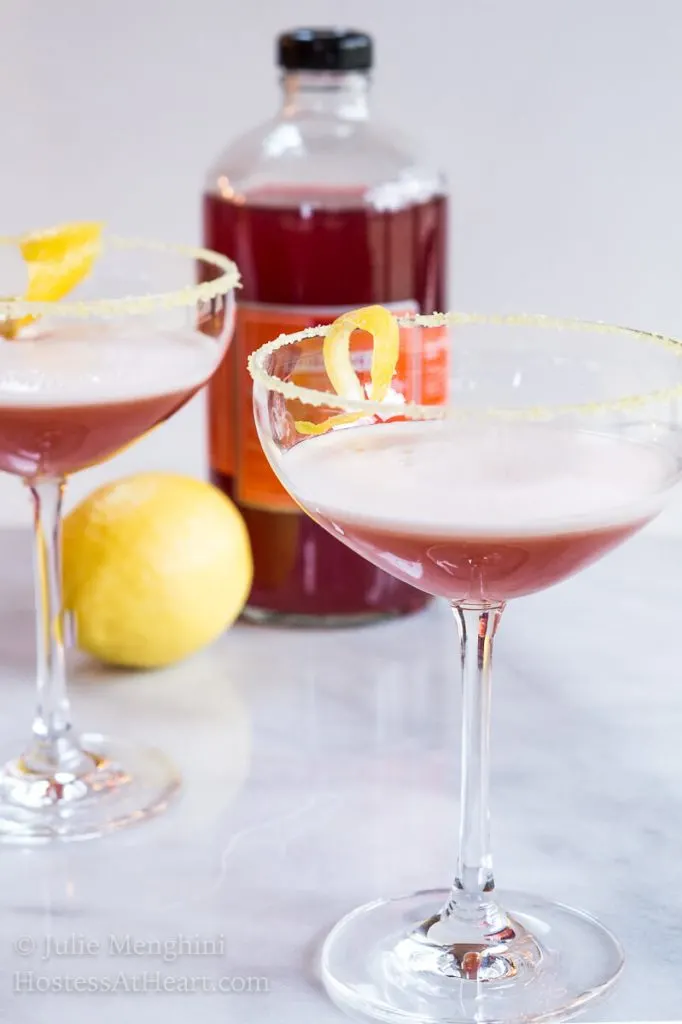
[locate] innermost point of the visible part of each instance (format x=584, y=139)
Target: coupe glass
x=81, y=380
x=560, y=440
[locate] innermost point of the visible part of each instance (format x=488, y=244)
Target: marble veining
x=321, y=771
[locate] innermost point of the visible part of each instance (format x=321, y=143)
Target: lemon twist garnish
x=57, y=259
x=383, y=327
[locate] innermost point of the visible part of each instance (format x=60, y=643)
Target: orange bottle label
x=221, y=419
x=421, y=376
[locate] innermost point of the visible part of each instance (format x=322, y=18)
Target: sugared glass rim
x=329, y=399
x=149, y=302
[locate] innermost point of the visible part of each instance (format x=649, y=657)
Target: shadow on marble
x=321, y=771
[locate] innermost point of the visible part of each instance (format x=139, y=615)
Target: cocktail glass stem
x=477, y=627
x=52, y=746
x=472, y=933
x=456, y=956
x=66, y=785
x=474, y=880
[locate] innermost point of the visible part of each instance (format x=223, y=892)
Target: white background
x=558, y=123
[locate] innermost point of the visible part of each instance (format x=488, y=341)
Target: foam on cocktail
x=68, y=364
x=457, y=479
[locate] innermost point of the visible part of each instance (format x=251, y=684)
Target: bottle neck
x=341, y=94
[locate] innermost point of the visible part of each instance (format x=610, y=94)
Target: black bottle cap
x=324, y=49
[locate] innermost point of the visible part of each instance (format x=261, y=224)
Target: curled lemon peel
x=305, y=427
x=383, y=327
x=57, y=259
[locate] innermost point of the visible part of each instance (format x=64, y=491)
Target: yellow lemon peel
x=305, y=427
x=383, y=327
x=57, y=259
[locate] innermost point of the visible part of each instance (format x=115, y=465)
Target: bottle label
x=421, y=376
x=220, y=397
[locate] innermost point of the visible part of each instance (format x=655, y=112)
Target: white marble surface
x=320, y=771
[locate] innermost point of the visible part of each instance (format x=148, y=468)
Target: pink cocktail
x=559, y=441
x=80, y=380
x=72, y=396
x=489, y=514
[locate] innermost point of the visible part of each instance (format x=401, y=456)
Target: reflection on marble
x=321, y=771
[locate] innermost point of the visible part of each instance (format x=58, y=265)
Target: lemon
x=155, y=566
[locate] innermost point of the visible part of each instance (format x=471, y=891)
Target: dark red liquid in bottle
x=307, y=255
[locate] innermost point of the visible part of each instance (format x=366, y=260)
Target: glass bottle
x=322, y=210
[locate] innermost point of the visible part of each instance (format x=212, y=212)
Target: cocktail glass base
x=391, y=961
x=100, y=785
